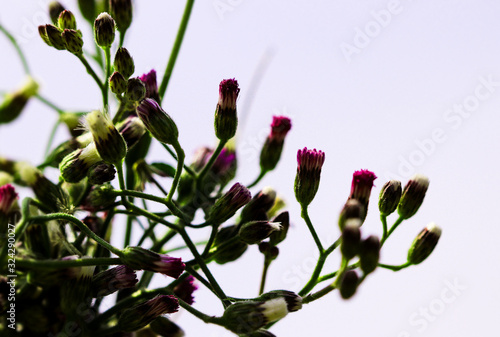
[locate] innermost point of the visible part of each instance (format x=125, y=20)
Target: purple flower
x=361, y=187
x=185, y=289
x=309, y=163
x=141, y=315
x=139, y=258
x=228, y=93
x=149, y=80
x=279, y=128
x=227, y=205
x=7, y=197
x=113, y=279
x=157, y=121
x=226, y=120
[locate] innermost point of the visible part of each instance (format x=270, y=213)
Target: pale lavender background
x=369, y=109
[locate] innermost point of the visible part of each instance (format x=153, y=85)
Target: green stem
x=332, y=275
x=128, y=231
x=383, y=218
x=91, y=72
x=122, y=38
x=176, y=47
x=172, y=153
x=320, y=293
x=210, y=162
x=305, y=216
x=393, y=228
x=203, y=266
x=40, y=264
x=258, y=179
x=178, y=171
x=395, y=268
x=107, y=53
x=49, y=104
x=265, y=268
x=210, y=241
x=79, y=224
x=12, y=39
x=51, y=138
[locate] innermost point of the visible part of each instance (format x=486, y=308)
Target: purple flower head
x=7, y=197
x=228, y=93
x=157, y=121
x=124, y=277
x=224, y=162
x=362, y=183
x=227, y=205
x=149, y=80
x=185, y=290
x=112, y=280
x=309, y=163
x=139, y=258
x=310, y=160
x=279, y=128
x=141, y=315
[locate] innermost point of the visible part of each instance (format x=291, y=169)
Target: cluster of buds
x=63, y=34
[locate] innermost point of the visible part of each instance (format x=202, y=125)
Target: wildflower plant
x=57, y=242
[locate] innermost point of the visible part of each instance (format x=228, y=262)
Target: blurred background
x=396, y=87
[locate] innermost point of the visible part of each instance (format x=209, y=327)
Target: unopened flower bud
x=369, y=254
x=109, y=281
x=389, y=197
x=351, y=210
x=225, y=249
x=351, y=236
x=108, y=141
x=14, y=103
x=308, y=175
x=424, y=244
x=141, y=315
x=249, y=316
x=139, y=258
x=361, y=187
x=349, y=284
x=55, y=9
x=121, y=10
x=42, y=31
x=255, y=231
x=5, y=178
x=278, y=236
x=66, y=20
x=73, y=40
x=413, y=196
x=104, y=30
x=293, y=301
x=258, y=207
x=124, y=63
x=101, y=173
x=273, y=146
x=132, y=129
x=166, y=328
x=7, y=197
x=157, y=121
x=75, y=166
x=117, y=83
x=136, y=90
x=185, y=290
x=75, y=291
x=151, y=85
x=269, y=251
x=227, y=205
x=101, y=197
x=226, y=119
x=54, y=35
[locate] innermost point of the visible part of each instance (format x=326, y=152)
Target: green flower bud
x=254, y=232
x=352, y=210
x=108, y=141
x=117, y=83
x=226, y=120
x=249, y=316
x=389, y=197
x=413, y=196
x=351, y=236
x=14, y=103
x=124, y=63
x=369, y=254
x=121, y=10
x=260, y=204
x=101, y=197
x=225, y=248
x=349, y=284
x=73, y=40
x=227, y=205
x=293, y=301
x=278, y=236
x=101, y=173
x=132, y=129
x=157, y=121
x=55, y=9
x=308, y=175
x=424, y=244
x=76, y=291
x=74, y=166
x=42, y=31
x=136, y=90
x=104, y=30
x=139, y=258
x=54, y=35
x=141, y=315
x=271, y=151
x=66, y=20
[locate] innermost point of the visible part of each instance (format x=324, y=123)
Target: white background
x=370, y=94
